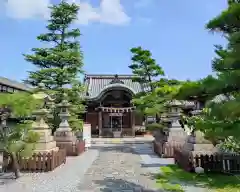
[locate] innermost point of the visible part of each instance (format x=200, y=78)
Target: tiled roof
x=95, y=84
x=221, y=98
x=181, y=103
x=14, y=84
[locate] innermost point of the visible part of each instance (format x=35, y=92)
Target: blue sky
x=173, y=30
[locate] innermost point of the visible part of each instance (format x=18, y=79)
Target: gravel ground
x=103, y=168
x=118, y=168
x=63, y=179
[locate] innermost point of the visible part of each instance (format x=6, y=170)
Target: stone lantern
x=46, y=142
x=64, y=136
x=173, y=135
x=175, y=132
x=196, y=143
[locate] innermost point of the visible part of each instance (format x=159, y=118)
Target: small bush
x=155, y=126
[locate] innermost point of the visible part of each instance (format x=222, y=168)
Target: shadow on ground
x=7, y=178
x=133, y=149
x=125, y=148
x=120, y=185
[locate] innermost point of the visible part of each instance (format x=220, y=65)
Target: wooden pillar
x=100, y=123
x=133, y=123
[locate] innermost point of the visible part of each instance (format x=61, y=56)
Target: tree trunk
x=157, y=118
x=15, y=166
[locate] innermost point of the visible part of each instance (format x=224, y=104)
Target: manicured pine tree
x=17, y=140
x=147, y=72
x=220, y=118
x=59, y=62
x=144, y=67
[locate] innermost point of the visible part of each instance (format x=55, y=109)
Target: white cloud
x=24, y=9
x=109, y=11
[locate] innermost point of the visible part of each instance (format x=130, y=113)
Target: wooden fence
x=184, y=160
x=42, y=162
x=228, y=163
x=72, y=149
x=218, y=163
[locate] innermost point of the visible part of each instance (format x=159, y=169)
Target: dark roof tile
x=96, y=83
x=14, y=84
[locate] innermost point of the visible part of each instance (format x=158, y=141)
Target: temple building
x=109, y=107
x=11, y=86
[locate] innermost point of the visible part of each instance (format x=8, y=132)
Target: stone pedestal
x=117, y=134
x=87, y=134
x=64, y=136
x=175, y=133
x=46, y=142
x=196, y=144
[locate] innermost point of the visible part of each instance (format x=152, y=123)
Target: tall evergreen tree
x=220, y=118
x=60, y=62
x=148, y=73
x=144, y=67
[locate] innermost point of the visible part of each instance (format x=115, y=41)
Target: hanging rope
x=117, y=110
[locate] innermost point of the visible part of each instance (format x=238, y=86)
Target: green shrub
x=155, y=126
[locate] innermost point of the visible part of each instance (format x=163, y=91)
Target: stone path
x=153, y=163
x=118, y=168
x=63, y=179
x=104, y=168
x=150, y=160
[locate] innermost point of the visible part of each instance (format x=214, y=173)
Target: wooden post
x=133, y=123
x=100, y=123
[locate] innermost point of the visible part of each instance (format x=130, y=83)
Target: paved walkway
x=130, y=140
x=118, y=168
x=104, y=168
x=63, y=179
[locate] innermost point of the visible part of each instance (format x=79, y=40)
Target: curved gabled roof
x=98, y=84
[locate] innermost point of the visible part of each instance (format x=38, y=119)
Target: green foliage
x=148, y=73
x=220, y=118
x=19, y=139
x=172, y=178
x=60, y=63
x=230, y=144
x=21, y=104
x=154, y=126
x=144, y=67
x=201, y=90
x=77, y=108
x=153, y=103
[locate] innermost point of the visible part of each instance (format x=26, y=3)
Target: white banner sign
x=87, y=135
x=116, y=114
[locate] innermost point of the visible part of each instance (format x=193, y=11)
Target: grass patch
x=173, y=176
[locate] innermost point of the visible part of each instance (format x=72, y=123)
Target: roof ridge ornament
x=116, y=80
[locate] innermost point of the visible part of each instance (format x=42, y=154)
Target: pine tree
x=220, y=119
x=60, y=62
x=147, y=72
x=144, y=67
x=19, y=140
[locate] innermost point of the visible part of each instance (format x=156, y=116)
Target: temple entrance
x=116, y=122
